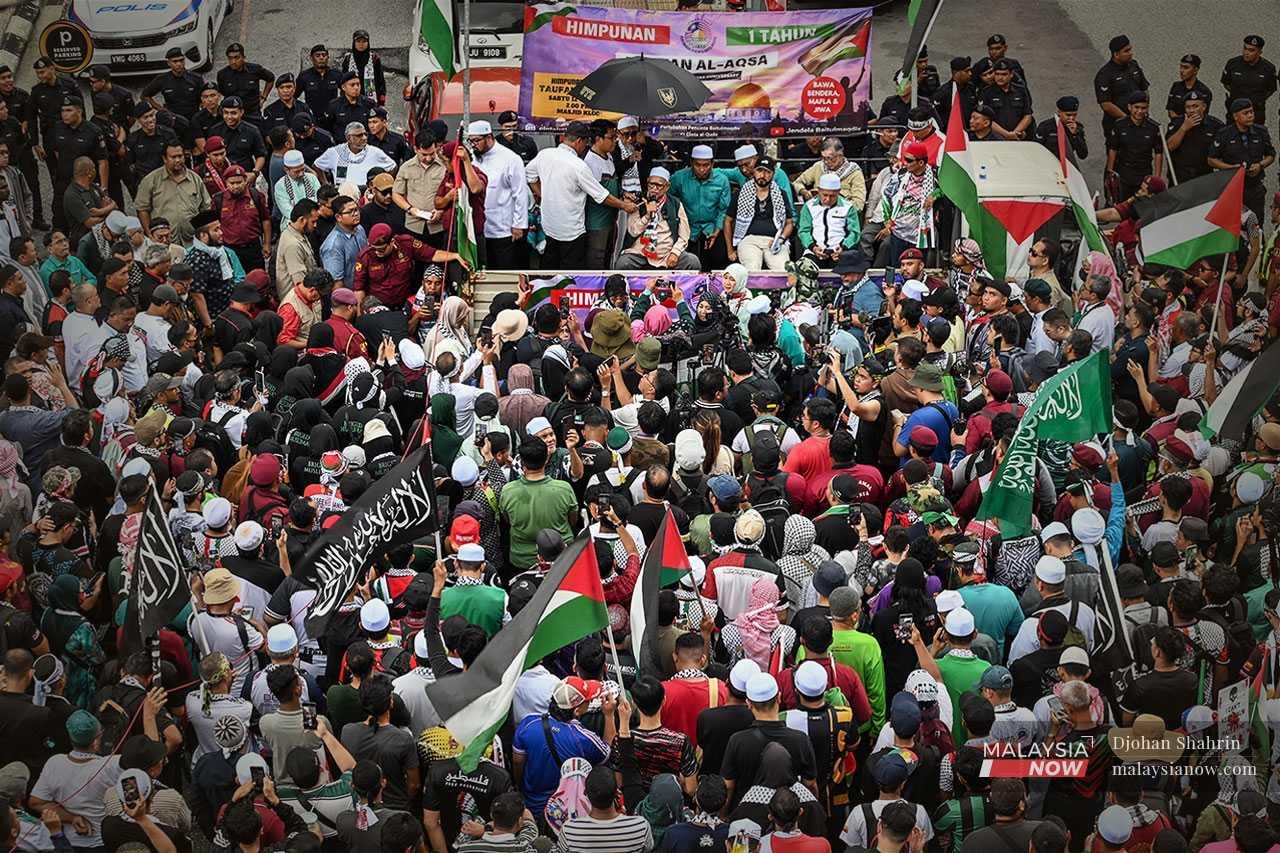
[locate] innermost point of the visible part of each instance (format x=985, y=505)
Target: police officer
x=1116, y=80
x=69, y=138
x=1010, y=101
x=349, y=106
x=280, y=112
x=980, y=121
x=245, y=147
x=961, y=81
x=927, y=81
x=121, y=98
x=1190, y=137
x=382, y=136
x=311, y=140
x=144, y=147
x=1250, y=76
x=1069, y=114
x=1133, y=146
x=208, y=116
x=240, y=80
x=998, y=48
x=1244, y=143
x=113, y=144
x=318, y=85
x=1188, y=81
x=510, y=136
x=44, y=110
x=181, y=88
x=19, y=101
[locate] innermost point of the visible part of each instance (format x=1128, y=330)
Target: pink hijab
x=757, y=623
x=656, y=322
x=1100, y=263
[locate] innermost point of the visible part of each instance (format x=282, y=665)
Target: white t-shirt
x=234, y=425
x=79, y=787
x=220, y=705
x=411, y=687
x=264, y=701
x=565, y=182
x=220, y=634
x=854, y=833
x=83, y=337
x=156, y=330
x=346, y=167
x=1027, y=641
x=533, y=692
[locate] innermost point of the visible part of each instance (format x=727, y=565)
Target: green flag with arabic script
x=1074, y=405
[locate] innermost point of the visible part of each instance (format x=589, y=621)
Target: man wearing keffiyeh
x=907, y=203
x=761, y=222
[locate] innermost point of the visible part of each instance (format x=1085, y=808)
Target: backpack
x=1140, y=642
x=769, y=498
x=213, y=437
x=1075, y=637
x=392, y=661
x=872, y=823
x=113, y=718
x=779, y=431
x=1235, y=625
x=691, y=498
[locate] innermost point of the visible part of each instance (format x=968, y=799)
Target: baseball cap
x=464, y=530
x=725, y=488
x=904, y=714
x=829, y=577
x=573, y=691
x=890, y=771
x=996, y=678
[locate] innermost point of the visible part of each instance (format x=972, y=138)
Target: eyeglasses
x=1035, y=254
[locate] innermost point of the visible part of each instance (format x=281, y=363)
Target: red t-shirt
x=799, y=843
x=809, y=458
x=685, y=699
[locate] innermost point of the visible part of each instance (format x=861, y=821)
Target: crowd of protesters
x=287, y=307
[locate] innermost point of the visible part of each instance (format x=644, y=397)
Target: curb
x=18, y=32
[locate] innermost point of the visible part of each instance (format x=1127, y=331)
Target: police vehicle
x=132, y=36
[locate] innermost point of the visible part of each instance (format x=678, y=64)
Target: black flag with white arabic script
x=159, y=588
x=399, y=507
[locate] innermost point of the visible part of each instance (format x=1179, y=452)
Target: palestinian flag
x=958, y=182
x=1193, y=220
x=435, y=30
x=464, y=224
x=665, y=563
x=920, y=14
x=1081, y=198
x=568, y=606
x=1243, y=397
x=844, y=44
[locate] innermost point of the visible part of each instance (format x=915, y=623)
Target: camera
x=564, y=307
x=662, y=289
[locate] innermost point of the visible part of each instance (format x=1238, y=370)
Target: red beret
x=922, y=436
x=233, y=171
x=999, y=384
x=912, y=254
x=1179, y=450
x=214, y=143
x=1086, y=456
x=379, y=232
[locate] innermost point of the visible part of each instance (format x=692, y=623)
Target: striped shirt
x=622, y=834
x=326, y=801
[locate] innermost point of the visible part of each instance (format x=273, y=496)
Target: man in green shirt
x=856, y=650
x=959, y=669
x=470, y=597
x=705, y=193
x=535, y=502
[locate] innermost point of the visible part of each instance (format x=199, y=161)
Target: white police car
x=132, y=36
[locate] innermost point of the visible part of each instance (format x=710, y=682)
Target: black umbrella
x=641, y=87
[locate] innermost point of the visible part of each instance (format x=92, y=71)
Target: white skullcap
x=293, y=157
x=741, y=674
x=420, y=647
x=1115, y=824
x=1249, y=487
x=829, y=181
x=762, y=687
x=246, y=764
x=217, y=512
x=959, y=623
x=412, y=355
x=948, y=600
x=915, y=289
x=660, y=173
x=281, y=638
x=249, y=535
x=627, y=122
x=537, y=425
x=1050, y=569
x=464, y=471
x=471, y=553
x=702, y=152
x=759, y=305
x=1052, y=529
x=479, y=127
x=811, y=679
x=374, y=615
x=1088, y=526
x=742, y=152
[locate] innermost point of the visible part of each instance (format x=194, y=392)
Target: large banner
x=770, y=74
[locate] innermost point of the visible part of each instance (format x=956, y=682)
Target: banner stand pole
x=1168, y=160
x=1217, y=303
x=613, y=648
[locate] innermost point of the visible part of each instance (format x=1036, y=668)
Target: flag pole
x=1168, y=160
x=466, y=63
x=1217, y=303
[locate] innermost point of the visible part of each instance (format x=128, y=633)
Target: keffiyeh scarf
x=747, y=210
x=220, y=253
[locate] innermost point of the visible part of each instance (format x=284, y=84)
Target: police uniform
x=1135, y=145
x=1047, y=131
x=1257, y=82
x=317, y=89
x=314, y=145
x=1191, y=158
x=1115, y=83
x=519, y=143
x=181, y=93
x=277, y=113
x=244, y=143
x=944, y=97
x=122, y=110
x=19, y=101
x=44, y=110
x=1178, y=94
x=1235, y=146
x=342, y=112
x=243, y=84
x=145, y=153
x=1010, y=106
x=115, y=156
x=68, y=143
x=203, y=122
x=928, y=83
x=393, y=145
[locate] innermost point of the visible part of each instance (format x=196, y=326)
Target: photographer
x=864, y=401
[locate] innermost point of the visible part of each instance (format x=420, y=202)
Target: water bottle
x=982, y=172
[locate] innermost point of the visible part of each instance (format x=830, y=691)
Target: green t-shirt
x=951, y=817
x=960, y=674
x=861, y=653
x=528, y=506
x=479, y=604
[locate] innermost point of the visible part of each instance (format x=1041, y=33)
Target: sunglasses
x=1033, y=253
x=911, y=160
